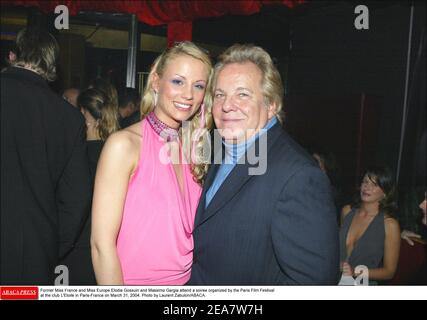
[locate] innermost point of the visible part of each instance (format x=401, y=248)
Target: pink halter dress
x=155, y=242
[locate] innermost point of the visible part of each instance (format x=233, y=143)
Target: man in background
x=45, y=183
x=129, y=101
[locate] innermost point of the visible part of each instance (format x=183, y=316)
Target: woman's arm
x=391, y=252
x=344, y=212
x=116, y=164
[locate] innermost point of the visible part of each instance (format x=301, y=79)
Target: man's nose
x=229, y=105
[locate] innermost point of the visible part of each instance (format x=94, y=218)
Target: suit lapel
x=237, y=178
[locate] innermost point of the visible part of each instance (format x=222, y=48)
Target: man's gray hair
x=37, y=50
x=272, y=86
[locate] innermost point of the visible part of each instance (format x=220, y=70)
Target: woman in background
x=101, y=121
x=370, y=235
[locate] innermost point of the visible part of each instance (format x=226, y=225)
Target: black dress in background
x=79, y=261
x=94, y=148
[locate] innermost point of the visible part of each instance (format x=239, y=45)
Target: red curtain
x=179, y=31
x=177, y=14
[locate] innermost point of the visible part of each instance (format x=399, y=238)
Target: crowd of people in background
x=83, y=186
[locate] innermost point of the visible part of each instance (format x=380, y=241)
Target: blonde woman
x=143, y=206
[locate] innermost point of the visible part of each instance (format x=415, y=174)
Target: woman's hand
x=407, y=235
x=347, y=270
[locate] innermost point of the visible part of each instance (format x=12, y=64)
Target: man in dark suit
x=266, y=222
x=45, y=183
x=129, y=101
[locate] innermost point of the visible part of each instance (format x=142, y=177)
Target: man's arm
x=73, y=194
x=305, y=231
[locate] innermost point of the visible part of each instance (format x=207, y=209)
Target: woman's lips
x=182, y=106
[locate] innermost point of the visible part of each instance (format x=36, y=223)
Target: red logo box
x=19, y=293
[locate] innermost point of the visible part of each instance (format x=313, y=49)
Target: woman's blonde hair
x=102, y=109
x=199, y=123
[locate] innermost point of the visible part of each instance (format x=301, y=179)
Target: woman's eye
x=200, y=86
x=177, y=81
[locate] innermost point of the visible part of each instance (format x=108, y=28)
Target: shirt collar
x=233, y=152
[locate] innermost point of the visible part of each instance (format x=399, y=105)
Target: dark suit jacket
x=130, y=120
x=45, y=182
x=270, y=229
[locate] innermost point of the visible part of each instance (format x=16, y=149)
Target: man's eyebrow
x=243, y=88
x=222, y=91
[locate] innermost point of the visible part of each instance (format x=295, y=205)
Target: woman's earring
x=202, y=116
x=155, y=98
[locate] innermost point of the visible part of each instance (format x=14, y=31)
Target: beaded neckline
x=161, y=128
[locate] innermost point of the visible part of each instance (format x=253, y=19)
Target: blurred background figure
x=45, y=183
x=107, y=88
x=423, y=207
x=409, y=236
x=9, y=57
x=129, y=101
x=71, y=95
x=101, y=121
x=328, y=163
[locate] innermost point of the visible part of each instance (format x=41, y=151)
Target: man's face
x=239, y=108
x=71, y=96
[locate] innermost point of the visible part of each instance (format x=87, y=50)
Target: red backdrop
x=178, y=15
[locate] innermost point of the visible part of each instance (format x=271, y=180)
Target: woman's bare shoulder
x=134, y=130
x=124, y=144
x=391, y=224
x=127, y=138
x=390, y=220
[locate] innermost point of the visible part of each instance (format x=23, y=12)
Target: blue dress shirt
x=233, y=152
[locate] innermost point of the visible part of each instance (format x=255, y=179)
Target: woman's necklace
x=161, y=128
